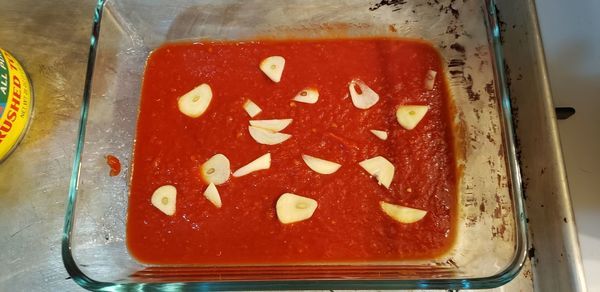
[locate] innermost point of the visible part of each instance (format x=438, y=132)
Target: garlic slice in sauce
x=321, y=166
x=383, y=135
x=273, y=67
x=380, y=168
x=212, y=195
x=274, y=125
x=267, y=137
x=216, y=169
x=261, y=163
x=194, y=103
x=252, y=108
x=409, y=116
x=364, y=97
x=430, y=79
x=292, y=208
x=164, y=199
x=402, y=214
x=307, y=95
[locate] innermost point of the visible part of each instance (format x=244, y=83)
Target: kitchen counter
x=51, y=39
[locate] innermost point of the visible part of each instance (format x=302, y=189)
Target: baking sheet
x=52, y=38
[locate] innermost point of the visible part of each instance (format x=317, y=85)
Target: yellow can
x=16, y=103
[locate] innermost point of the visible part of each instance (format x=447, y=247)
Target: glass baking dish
x=490, y=238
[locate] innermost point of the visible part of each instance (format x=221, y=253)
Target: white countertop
x=571, y=36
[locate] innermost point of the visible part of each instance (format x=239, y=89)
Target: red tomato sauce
x=115, y=165
x=348, y=225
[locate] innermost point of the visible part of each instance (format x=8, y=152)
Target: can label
x=15, y=103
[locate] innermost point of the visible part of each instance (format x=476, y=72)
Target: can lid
x=16, y=103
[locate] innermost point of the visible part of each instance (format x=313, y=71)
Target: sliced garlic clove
x=194, y=103
x=402, y=214
x=293, y=208
x=366, y=98
x=273, y=67
x=319, y=165
x=380, y=168
x=212, y=195
x=252, y=108
x=164, y=199
x=383, y=135
x=430, y=79
x=307, y=95
x=267, y=137
x=261, y=163
x=271, y=125
x=216, y=169
x=409, y=116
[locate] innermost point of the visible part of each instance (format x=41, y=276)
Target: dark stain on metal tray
x=395, y=4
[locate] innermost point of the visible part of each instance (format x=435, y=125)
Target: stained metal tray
x=52, y=45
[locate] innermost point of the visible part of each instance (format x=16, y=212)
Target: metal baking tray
x=44, y=155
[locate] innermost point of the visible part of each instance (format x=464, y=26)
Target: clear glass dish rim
x=503, y=277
